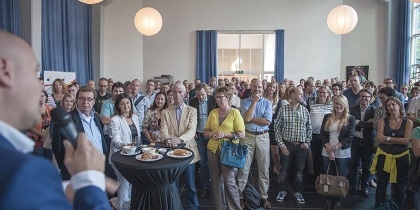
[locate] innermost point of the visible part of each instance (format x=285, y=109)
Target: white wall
x=310, y=48
x=122, y=45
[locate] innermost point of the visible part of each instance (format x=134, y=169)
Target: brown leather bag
x=334, y=186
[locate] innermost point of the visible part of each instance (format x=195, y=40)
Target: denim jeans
x=204, y=163
x=316, y=148
x=189, y=179
x=297, y=160
x=360, y=150
x=383, y=180
x=342, y=166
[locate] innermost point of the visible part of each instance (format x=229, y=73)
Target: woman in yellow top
x=222, y=124
x=391, y=161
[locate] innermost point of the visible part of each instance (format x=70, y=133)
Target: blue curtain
x=279, y=56
x=206, y=65
x=402, y=64
x=66, y=38
x=10, y=16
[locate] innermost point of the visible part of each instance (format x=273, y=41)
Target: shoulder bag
x=334, y=186
x=232, y=153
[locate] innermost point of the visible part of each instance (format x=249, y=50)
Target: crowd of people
x=368, y=131
x=312, y=126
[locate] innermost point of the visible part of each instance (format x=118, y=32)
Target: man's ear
x=5, y=72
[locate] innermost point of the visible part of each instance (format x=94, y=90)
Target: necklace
x=394, y=128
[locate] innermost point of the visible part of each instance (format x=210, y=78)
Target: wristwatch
x=388, y=138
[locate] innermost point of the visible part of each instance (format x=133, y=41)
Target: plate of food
x=126, y=154
x=149, y=157
x=179, y=153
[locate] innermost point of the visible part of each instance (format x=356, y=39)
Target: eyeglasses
x=335, y=89
x=323, y=92
x=86, y=99
x=364, y=96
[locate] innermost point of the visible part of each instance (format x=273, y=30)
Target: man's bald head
x=18, y=67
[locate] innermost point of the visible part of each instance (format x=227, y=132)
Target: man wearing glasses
x=362, y=146
x=87, y=121
x=336, y=89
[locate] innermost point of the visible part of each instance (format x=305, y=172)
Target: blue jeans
x=297, y=160
x=342, y=166
x=189, y=179
x=204, y=163
x=360, y=149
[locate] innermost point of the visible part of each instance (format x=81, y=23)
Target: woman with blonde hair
x=337, y=132
x=272, y=94
x=58, y=91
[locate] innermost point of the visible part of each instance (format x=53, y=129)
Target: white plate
x=171, y=154
x=138, y=157
x=125, y=154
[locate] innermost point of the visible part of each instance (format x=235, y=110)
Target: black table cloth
x=153, y=183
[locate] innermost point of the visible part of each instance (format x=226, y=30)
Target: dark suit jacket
x=368, y=131
x=211, y=104
x=30, y=182
x=346, y=133
x=57, y=140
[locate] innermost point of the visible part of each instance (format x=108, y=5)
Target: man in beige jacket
x=178, y=125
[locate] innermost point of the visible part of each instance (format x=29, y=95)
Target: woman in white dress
x=124, y=130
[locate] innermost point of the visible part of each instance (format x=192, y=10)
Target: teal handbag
x=233, y=154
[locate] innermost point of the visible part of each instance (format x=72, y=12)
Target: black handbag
x=334, y=186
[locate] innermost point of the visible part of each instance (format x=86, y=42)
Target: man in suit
x=178, y=125
x=86, y=120
x=203, y=103
x=362, y=146
x=27, y=181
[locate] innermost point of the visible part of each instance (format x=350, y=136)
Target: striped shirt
x=293, y=125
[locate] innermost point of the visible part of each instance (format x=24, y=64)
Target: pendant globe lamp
x=90, y=1
x=342, y=19
x=148, y=21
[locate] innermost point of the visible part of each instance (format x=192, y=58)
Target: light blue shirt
x=151, y=99
x=92, y=131
x=202, y=115
x=263, y=109
x=141, y=108
x=107, y=110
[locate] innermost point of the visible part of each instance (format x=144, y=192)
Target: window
x=246, y=55
x=415, y=43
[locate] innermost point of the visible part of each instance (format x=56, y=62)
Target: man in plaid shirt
x=293, y=132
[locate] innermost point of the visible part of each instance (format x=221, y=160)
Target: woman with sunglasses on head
x=391, y=161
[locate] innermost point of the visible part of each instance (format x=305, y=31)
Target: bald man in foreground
x=26, y=181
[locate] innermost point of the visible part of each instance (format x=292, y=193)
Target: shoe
x=280, y=197
x=299, y=198
x=204, y=193
x=365, y=193
x=242, y=203
x=266, y=204
x=372, y=184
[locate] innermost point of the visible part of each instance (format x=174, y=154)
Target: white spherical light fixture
x=342, y=19
x=148, y=21
x=90, y=1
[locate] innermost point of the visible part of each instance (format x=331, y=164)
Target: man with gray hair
x=178, y=125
